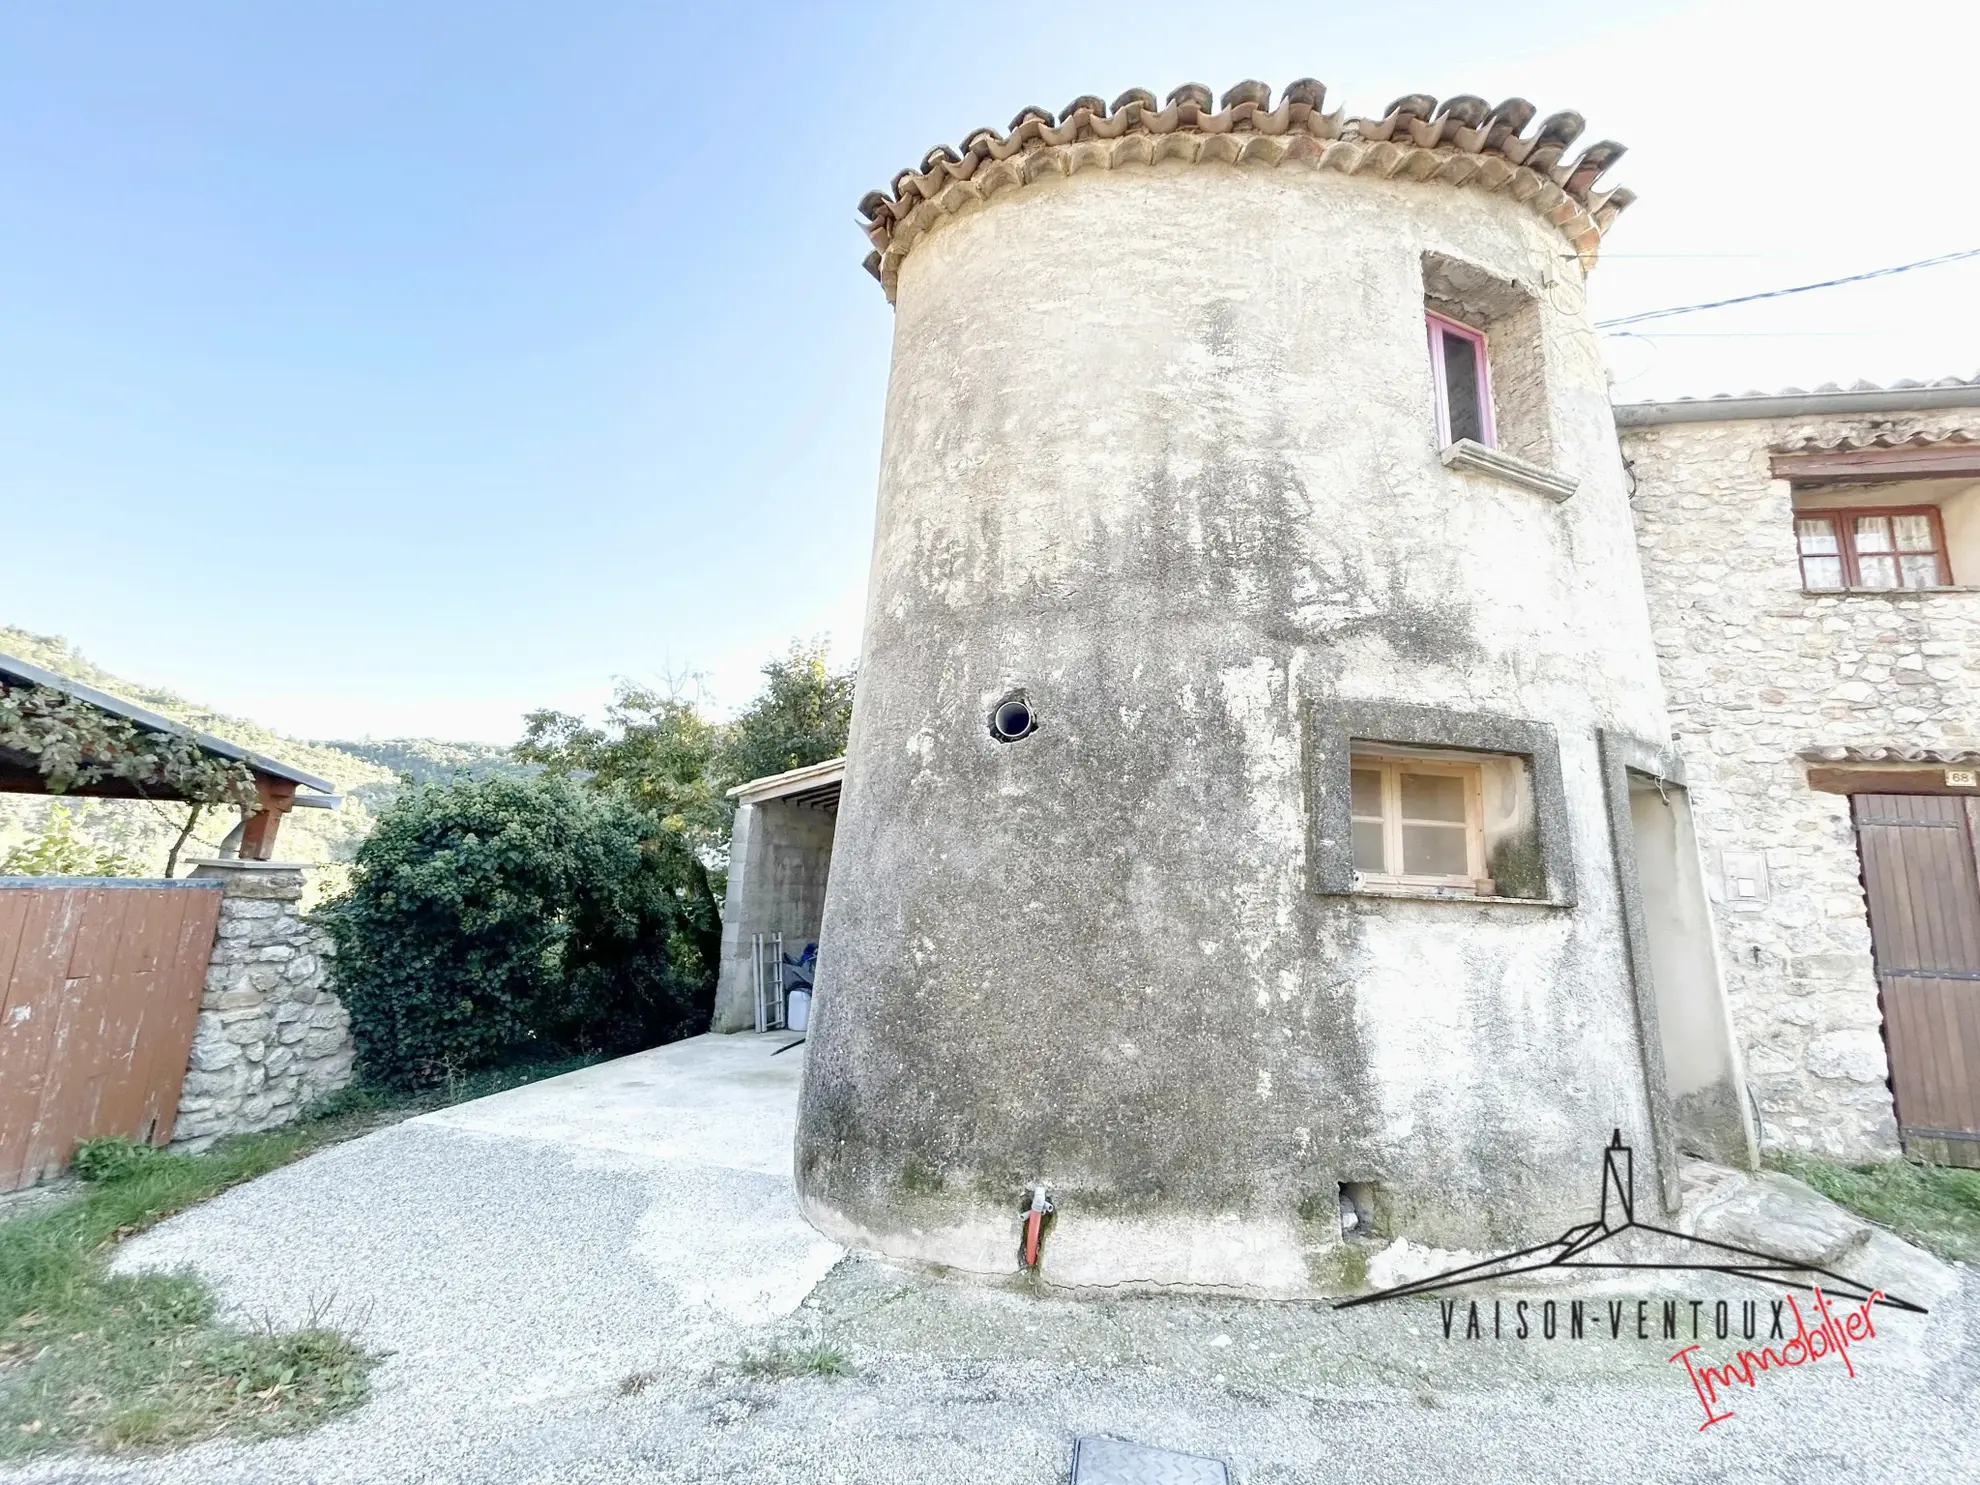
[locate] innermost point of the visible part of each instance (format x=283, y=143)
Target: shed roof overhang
x=1892, y=768
x=816, y=785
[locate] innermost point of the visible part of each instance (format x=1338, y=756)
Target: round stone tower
x=1224, y=844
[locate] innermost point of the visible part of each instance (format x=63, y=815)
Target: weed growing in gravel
x=1935, y=1206
x=94, y=1360
x=781, y=1363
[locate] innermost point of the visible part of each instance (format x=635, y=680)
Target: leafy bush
x=496, y=918
x=109, y=1157
x=676, y=764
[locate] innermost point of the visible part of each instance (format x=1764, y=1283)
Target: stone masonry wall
x=270, y=1039
x=1757, y=670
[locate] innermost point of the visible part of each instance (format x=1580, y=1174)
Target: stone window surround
x=1503, y=319
x=1475, y=458
x=1334, y=727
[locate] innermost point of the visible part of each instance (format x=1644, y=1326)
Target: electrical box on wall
x=1743, y=879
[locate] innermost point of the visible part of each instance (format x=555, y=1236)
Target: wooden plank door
x=1919, y=872
x=100, y=986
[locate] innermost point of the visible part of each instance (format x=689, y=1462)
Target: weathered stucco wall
x=1160, y=453
x=780, y=859
x=1756, y=671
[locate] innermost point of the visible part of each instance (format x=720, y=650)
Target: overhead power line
x=1854, y=278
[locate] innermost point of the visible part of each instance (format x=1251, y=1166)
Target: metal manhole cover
x=1102, y=1461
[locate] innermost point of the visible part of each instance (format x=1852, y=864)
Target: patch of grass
x=115, y=1362
x=1935, y=1206
x=781, y=1363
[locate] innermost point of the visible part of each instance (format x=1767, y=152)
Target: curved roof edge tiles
x=1462, y=141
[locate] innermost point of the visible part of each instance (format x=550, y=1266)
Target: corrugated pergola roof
x=25, y=672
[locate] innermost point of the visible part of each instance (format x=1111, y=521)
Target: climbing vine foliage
x=73, y=745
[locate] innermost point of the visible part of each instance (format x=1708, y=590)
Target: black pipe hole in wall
x=1012, y=718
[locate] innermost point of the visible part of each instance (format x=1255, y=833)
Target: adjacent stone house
x=1812, y=567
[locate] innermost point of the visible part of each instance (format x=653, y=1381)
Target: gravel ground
x=570, y=1276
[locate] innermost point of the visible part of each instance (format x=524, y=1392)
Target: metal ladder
x=770, y=1009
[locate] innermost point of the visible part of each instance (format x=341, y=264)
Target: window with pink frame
x=1463, y=380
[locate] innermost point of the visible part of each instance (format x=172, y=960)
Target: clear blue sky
x=394, y=368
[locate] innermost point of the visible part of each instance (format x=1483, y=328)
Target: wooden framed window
x=1418, y=824
x=1463, y=380
x=1873, y=547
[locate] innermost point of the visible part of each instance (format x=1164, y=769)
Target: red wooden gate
x=1919, y=872
x=100, y=983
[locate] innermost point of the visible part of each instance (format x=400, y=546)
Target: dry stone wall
x=270, y=1039
x=1757, y=670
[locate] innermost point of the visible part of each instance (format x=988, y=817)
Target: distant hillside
x=432, y=760
x=366, y=773
x=426, y=760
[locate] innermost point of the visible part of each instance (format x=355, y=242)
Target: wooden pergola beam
x=1879, y=466
x=275, y=798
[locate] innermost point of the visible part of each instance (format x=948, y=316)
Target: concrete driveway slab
x=571, y=1278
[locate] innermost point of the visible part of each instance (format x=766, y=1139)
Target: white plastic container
x=797, y=1010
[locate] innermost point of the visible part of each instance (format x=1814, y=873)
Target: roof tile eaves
x=1890, y=753
x=1416, y=138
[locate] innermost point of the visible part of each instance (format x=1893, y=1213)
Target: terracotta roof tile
x=1462, y=142
x=1891, y=753
x=1828, y=388
x=1848, y=445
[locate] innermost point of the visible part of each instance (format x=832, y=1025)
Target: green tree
x=493, y=918
x=61, y=849
x=800, y=716
x=656, y=748
x=657, y=752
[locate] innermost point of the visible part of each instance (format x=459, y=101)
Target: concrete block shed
x=780, y=857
